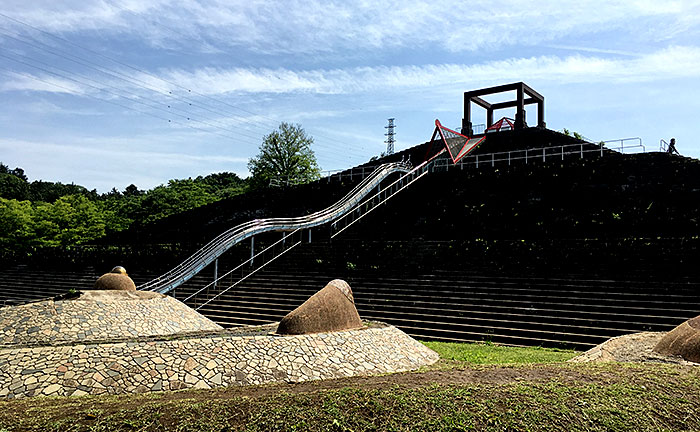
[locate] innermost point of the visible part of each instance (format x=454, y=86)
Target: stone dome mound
x=99, y=315
x=330, y=309
x=115, y=281
x=682, y=341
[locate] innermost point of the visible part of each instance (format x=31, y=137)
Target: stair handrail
x=240, y=267
x=388, y=192
x=220, y=244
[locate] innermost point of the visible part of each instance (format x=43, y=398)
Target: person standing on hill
x=672, y=147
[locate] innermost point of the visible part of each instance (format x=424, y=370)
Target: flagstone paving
x=131, y=342
x=236, y=357
x=99, y=315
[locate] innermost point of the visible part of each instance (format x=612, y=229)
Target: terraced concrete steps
x=443, y=303
x=463, y=306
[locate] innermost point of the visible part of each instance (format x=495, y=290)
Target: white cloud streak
x=670, y=63
x=675, y=62
x=39, y=83
x=314, y=26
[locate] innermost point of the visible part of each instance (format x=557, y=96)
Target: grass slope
x=498, y=354
x=536, y=391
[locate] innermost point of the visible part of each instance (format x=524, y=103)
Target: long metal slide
x=347, y=211
x=292, y=226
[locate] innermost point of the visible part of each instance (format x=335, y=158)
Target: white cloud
x=39, y=83
x=669, y=63
x=314, y=26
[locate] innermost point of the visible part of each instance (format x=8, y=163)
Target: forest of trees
x=37, y=214
x=41, y=214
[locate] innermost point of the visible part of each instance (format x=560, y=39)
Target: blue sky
x=113, y=92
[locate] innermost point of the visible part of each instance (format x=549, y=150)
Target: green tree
x=178, y=196
x=16, y=226
x=132, y=190
x=71, y=220
x=285, y=155
x=40, y=190
x=225, y=184
x=13, y=187
x=17, y=172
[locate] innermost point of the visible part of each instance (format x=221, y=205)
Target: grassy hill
x=532, y=390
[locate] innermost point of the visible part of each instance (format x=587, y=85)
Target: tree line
x=38, y=214
x=41, y=214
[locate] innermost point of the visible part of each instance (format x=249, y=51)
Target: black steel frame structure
x=525, y=95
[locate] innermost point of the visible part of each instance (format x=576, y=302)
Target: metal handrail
x=622, y=141
x=542, y=153
x=284, y=241
x=212, y=250
x=369, y=204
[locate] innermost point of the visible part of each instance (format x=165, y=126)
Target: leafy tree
x=71, y=220
x=17, y=172
x=119, y=213
x=41, y=190
x=285, y=155
x=222, y=180
x=132, y=191
x=176, y=197
x=225, y=184
x=52, y=214
x=13, y=187
x=16, y=226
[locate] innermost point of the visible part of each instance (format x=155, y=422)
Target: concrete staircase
x=463, y=305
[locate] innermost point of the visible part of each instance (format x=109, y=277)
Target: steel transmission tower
x=390, y=137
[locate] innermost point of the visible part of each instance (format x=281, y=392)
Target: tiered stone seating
x=449, y=304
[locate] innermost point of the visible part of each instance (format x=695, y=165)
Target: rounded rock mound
x=117, y=280
x=682, y=341
x=97, y=315
x=330, y=309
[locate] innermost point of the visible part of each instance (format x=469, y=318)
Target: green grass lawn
x=486, y=353
x=475, y=387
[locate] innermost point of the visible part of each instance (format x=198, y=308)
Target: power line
x=121, y=96
x=156, y=77
x=109, y=101
x=119, y=76
x=122, y=105
x=170, y=121
x=118, y=104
